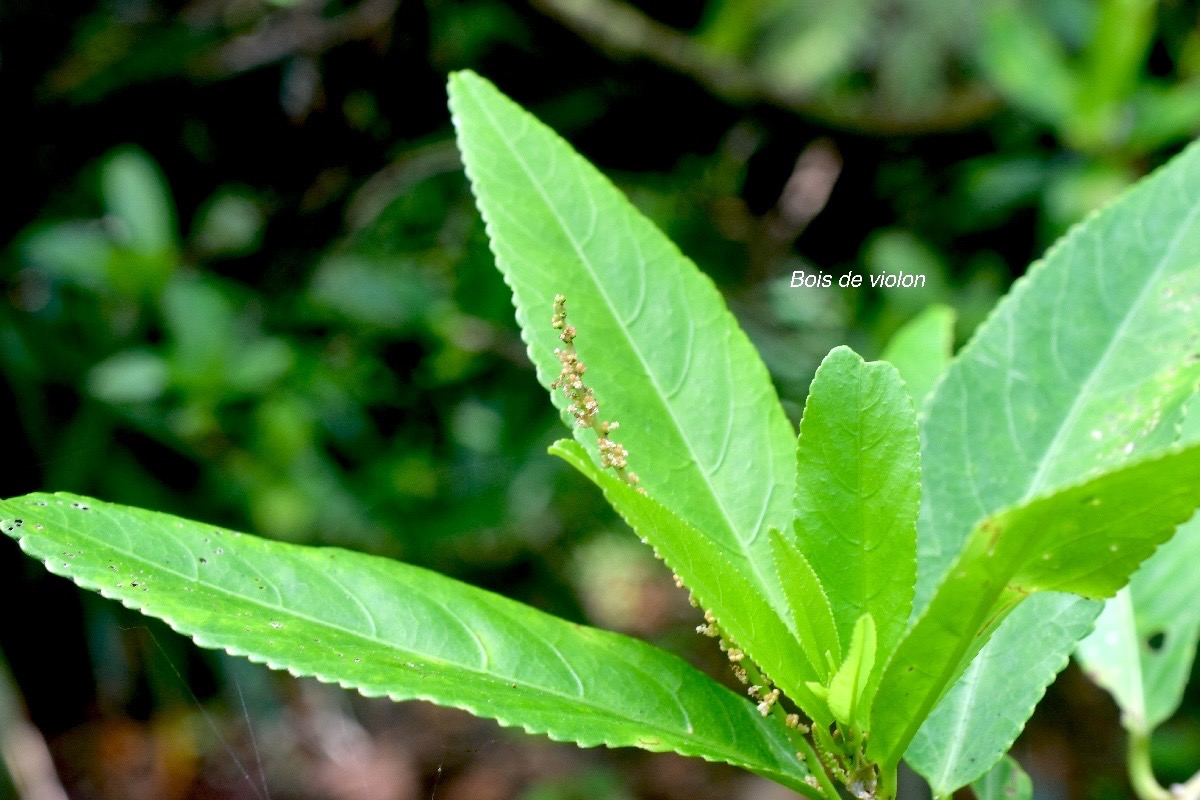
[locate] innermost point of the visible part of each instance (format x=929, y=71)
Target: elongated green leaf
x=1145, y=640
x=1004, y=781
x=970, y=729
x=848, y=688
x=699, y=415
x=1084, y=366
x=810, y=612
x=1086, y=539
x=858, y=491
x=387, y=628
x=742, y=614
x=921, y=350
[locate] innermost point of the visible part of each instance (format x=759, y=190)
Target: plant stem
x=1141, y=771
x=818, y=769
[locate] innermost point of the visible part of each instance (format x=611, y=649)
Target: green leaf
x=858, y=491
x=921, y=350
x=1086, y=539
x=72, y=252
x=1083, y=367
x=1162, y=114
x=1026, y=63
x=137, y=196
x=390, y=294
x=1145, y=640
x=742, y=614
x=811, y=616
x=1189, y=422
x=1112, y=658
x=698, y=412
x=229, y=224
x=971, y=728
x=1004, y=781
x=392, y=629
x=131, y=376
x=1112, y=67
x=848, y=688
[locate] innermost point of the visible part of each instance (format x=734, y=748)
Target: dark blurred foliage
x=244, y=281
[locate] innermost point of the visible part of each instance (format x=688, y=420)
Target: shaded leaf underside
x=1161, y=605
x=965, y=735
x=1085, y=366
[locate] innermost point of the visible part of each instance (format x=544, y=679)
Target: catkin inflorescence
x=583, y=405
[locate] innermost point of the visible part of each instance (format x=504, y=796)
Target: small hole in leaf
x=1156, y=641
x=203, y=560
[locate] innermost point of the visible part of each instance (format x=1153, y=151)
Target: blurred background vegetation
x=244, y=281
